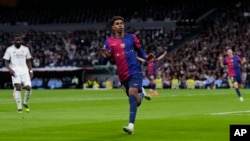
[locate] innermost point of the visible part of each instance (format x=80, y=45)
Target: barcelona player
x=233, y=63
x=152, y=70
x=123, y=48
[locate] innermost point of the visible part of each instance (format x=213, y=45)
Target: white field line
x=230, y=113
x=123, y=96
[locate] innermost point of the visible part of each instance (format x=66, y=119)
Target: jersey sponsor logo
x=122, y=45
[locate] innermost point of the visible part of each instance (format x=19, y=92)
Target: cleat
x=155, y=93
x=26, y=107
x=146, y=96
x=241, y=99
x=130, y=131
x=19, y=111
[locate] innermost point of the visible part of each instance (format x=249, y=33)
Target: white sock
x=131, y=125
x=26, y=97
x=144, y=92
x=17, y=96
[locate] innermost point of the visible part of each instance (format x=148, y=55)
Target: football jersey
x=233, y=65
x=124, y=52
x=17, y=58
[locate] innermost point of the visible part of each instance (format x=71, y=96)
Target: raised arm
x=163, y=55
x=221, y=60
x=140, y=59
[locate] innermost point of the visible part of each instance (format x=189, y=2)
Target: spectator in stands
x=58, y=83
x=51, y=83
x=37, y=83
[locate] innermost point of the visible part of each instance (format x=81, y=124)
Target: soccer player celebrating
x=18, y=61
x=152, y=71
x=123, y=48
x=233, y=63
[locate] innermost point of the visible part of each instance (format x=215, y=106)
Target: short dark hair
x=116, y=18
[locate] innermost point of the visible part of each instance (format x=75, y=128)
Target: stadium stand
x=193, y=47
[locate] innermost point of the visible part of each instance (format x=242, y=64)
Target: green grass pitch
x=98, y=115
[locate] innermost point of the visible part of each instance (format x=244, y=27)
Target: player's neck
x=119, y=35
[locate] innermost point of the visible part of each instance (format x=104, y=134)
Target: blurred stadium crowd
x=193, y=48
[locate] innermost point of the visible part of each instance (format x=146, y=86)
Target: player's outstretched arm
x=221, y=61
x=140, y=59
x=162, y=56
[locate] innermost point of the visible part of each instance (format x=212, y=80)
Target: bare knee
x=18, y=87
x=133, y=91
x=28, y=88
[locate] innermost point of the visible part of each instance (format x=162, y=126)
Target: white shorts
x=21, y=79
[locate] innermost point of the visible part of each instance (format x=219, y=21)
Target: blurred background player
x=152, y=71
x=123, y=48
x=18, y=61
x=233, y=63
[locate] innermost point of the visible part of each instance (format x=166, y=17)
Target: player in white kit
x=18, y=61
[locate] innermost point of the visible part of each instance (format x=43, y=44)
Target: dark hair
x=16, y=35
x=116, y=18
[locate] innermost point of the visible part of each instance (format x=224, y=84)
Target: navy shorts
x=236, y=78
x=134, y=81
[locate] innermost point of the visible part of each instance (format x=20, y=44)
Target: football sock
x=17, y=96
x=141, y=96
x=238, y=92
x=26, y=96
x=131, y=125
x=133, y=108
x=153, y=86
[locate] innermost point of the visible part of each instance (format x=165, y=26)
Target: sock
x=17, y=96
x=141, y=96
x=131, y=125
x=133, y=108
x=26, y=97
x=238, y=92
x=154, y=87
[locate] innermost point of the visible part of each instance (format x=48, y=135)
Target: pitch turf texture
x=98, y=115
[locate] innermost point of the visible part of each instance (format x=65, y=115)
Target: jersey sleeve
x=106, y=46
x=28, y=55
x=138, y=48
x=7, y=54
x=239, y=59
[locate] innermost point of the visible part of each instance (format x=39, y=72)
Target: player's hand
x=221, y=58
x=150, y=56
x=12, y=72
x=103, y=52
x=243, y=60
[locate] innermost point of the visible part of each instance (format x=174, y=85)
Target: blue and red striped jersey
x=124, y=51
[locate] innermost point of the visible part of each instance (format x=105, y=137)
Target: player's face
x=17, y=41
x=118, y=26
x=229, y=52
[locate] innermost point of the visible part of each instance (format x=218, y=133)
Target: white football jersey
x=17, y=58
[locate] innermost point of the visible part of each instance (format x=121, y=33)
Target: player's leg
x=135, y=98
x=236, y=81
x=147, y=96
x=16, y=81
x=154, y=85
x=27, y=84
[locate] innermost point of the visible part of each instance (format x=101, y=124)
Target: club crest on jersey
x=122, y=45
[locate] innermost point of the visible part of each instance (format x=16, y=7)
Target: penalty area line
x=228, y=113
